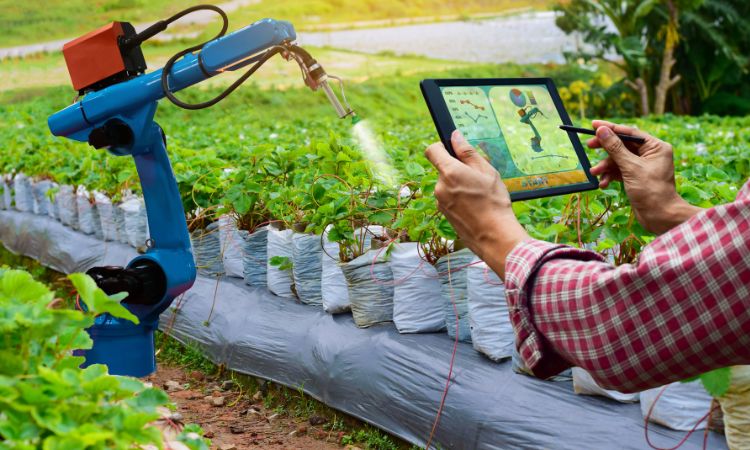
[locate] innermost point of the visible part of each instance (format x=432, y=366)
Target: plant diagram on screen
x=517, y=129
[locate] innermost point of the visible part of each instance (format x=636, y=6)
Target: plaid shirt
x=682, y=309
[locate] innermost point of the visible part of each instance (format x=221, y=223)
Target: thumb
x=439, y=156
x=466, y=153
x=615, y=147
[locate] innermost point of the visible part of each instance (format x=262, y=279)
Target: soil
x=242, y=422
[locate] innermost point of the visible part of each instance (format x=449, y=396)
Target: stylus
x=624, y=137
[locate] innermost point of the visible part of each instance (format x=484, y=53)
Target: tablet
x=514, y=123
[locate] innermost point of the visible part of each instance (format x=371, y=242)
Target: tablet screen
x=516, y=129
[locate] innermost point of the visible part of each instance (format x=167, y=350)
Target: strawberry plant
x=47, y=401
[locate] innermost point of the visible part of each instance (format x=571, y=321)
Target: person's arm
x=474, y=199
x=683, y=309
x=647, y=172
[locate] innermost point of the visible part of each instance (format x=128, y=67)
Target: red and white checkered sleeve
x=682, y=309
x=744, y=192
x=521, y=268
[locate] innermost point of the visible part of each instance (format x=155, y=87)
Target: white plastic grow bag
x=23, y=194
x=231, y=246
x=279, y=245
x=370, y=283
x=207, y=250
x=491, y=331
x=417, y=301
x=452, y=271
x=584, y=384
x=679, y=406
x=254, y=258
x=307, y=268
x=67, y=209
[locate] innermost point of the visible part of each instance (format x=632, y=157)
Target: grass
x=36, y=21
x=45, y=70
x=31, y=22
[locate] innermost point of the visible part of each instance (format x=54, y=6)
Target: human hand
x=647, y=171
x=475, y=201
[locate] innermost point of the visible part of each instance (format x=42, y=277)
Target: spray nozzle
x=316, y=77
x=342, y=110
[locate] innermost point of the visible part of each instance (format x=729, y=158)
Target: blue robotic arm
x=120, y=118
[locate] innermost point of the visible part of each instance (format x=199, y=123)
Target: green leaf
x=414, y=170
x=282, y=262
x=717, y=381
x=97, y=301
x=446, y=231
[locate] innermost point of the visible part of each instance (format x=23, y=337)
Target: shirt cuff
x=521, y=267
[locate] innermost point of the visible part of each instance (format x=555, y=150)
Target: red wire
x=686, y=437
x=450, y=367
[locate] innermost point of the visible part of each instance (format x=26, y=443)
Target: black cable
x=260, y=61
x=161, y=25
x=168, y=66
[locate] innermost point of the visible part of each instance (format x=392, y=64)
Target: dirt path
x=235, y=422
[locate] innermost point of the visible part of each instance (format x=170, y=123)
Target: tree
x=714, y=59
x=638, y=36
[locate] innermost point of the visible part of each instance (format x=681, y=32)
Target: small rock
x=172, y=385
x=197, y=375
x=208, y=398
x=227, y=447
x=227, y=385
x=258, y=396
x=234, y=429
x=317, y=420
x=320, y=434
x=252, y=411
x=301, y=430
x=208, y=434
x=217, y=401
x=187, y=394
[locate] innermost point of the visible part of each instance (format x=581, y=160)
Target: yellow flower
x=578, y=87
x=604, y=80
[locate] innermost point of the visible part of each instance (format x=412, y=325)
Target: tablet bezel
x=445, y=126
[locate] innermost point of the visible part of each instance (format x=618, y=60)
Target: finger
x=602, y=123
x=619, y=128
x=604, y=181
x=439, y=156
x=614, y=146
x=602, y=166
x=466, y=153
x=607, y=167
